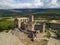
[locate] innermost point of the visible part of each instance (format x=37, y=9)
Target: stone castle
x=30, y=26
x=28, y=23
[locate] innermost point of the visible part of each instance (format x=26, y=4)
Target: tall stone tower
x=31, y=21
x=31, y=18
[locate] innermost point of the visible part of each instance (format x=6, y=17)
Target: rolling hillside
x=24, y=12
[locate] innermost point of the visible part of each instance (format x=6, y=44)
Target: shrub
x=47, y=34
x=58, y=34
x=6, y=31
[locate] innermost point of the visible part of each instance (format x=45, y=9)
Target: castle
x=31, y=26
x=28, y=23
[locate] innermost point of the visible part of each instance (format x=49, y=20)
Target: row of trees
x=6, y=24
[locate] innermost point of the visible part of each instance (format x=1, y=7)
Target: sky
x=11, y=4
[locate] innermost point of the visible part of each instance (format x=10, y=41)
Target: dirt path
x=9, y=39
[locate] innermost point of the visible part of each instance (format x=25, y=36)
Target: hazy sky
x=10, y=4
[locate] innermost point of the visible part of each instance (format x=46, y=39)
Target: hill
x=48, y=13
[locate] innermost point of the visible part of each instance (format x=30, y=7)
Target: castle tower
x=31, y=18
x=31, y=21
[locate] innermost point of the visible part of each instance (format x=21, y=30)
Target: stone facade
x=20, y=21
x=30, y=23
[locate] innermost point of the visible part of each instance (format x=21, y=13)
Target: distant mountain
x=29, y=11
x=21, y=12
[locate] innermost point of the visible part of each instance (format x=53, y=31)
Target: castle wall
x=20, y=20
